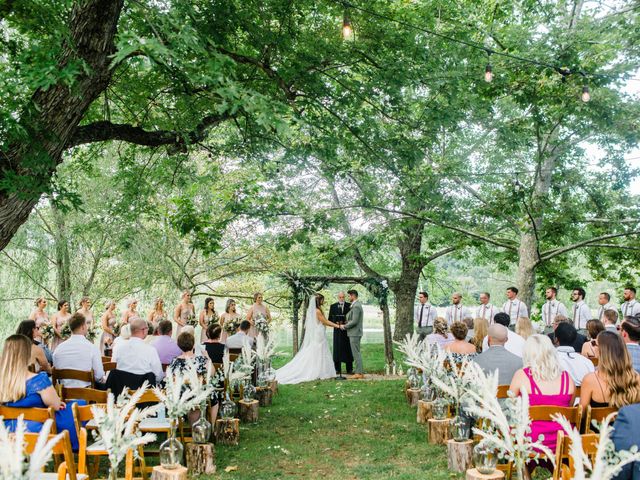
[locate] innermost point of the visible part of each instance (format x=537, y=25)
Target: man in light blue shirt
x=630, y=331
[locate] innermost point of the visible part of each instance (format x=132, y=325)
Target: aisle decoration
x=607, y=462
x=234, y=374
x=14, y=464
x=116, y=426
x=265, y=351
x=184, y=391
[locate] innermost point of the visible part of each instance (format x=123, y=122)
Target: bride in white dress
x=313, y=361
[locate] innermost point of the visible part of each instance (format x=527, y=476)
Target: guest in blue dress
x=23, y=389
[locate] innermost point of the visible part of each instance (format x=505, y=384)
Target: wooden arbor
x=304, y=286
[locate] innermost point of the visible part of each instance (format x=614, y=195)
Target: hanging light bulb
x=586, y=95
x=488, y=73
x=347, y=29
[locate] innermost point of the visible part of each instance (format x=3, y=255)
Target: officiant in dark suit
x=341, y=346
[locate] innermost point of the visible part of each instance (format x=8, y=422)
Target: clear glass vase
x=414, y=379
x=460, y=429
x=485, y=460
x=248, y=391
x=228, y=409
x=440, y=409
x=113, y=473
x=427, y=392
x=201, y=429
x=171, y=450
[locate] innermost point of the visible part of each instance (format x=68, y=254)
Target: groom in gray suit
x=354, y=331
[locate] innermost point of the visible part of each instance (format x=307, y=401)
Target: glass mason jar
x=270, y=372
x=201, y=429
x=440, y=409
x=484, y=459
x=428, y=394
x=228, y=409
x=248, y=391
x=414, y=379
x=460, y=429
x=171, y=450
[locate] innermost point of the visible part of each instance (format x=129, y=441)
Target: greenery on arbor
x=211, y=145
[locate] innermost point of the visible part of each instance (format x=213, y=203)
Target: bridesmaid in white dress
x=85, y=309
x=39, y=315
x=229, y=314
x=59, y=319
x=184, y=310
x=108, y=322
x=157, y=315
x=258, y=308
x=131, y=313
x=208, y=315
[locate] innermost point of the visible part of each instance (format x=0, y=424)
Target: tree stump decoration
x=161, y=473
x=439, y=431
x=424, y=411
x=201, y=458
x=265, y=396
x=413, y=396
x=473, y=474
x=249, y=411
x=227, y=432
x=459, y=455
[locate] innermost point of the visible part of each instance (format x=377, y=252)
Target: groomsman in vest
x=581, y=311
x=486, y=310
x=630, y=307
x=424, y=315
x=552, y=308
x=341, y=346
x=456, y=312
x=604, y=300
x=513, y=306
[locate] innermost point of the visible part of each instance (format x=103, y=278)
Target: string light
x=586, y=95
x=488, y=73
x=347, y=29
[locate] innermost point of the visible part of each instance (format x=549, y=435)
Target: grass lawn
x=336, y=430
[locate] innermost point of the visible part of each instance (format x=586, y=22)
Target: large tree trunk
x=63, y=267
x=527, y=261
x=53, y=114
x=386, y=329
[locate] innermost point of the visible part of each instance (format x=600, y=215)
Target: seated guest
x=610, y=320
x=199, y=349
x=166, y=346
x=630, y=331
x=186, y=343
x=440, y=335
x=515, y=343
x=213, y=346
x=21, y=388
x=524, y=327
x=152, y=335
x=38, y=359
x=480, y=330
x=496, y=357
x=78, y=353
x=580, y=339
x=615, y=383
x=574, y=363
x=590, y=348
x=625, y=436
x=137, y=357
x=241, y=337
x=545, y=382
x=460, y=348
x=468, y=321
x=125, y=335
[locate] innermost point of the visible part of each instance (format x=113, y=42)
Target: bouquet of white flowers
x=47, y=332
x=93, y=333
x=192, y=320
x=66, y=332
x=231, y=325
x=261, y=324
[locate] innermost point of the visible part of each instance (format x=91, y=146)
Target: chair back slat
x=147, y=397
x=594, y=360
x=598, y=414
x=105, y=359
x=544, y=413
x=565, y=467
x=70, y=374
x=90, y=395
x=108, y=366
x=32, y=414
x=62, y=447
x=503, y=391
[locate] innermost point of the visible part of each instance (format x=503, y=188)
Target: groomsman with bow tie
x=513, y=306
x=604, y=300
x=424, y=314
x=552, y=308
x=630, y=307
x=486, y=310
x=341, y=346
x=456, y=312
x=581, y=311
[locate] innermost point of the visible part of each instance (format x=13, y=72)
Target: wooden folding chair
x=545, y=412
x=90, y=395
x=594, y=360
x=105, y=359
x=67, y=469
x=503, y=391
x=565, y=467
x=108, y=366
x=598, y=414
x=70, y=374
x=32, y=414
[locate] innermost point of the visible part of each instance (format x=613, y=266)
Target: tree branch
x=559, y=251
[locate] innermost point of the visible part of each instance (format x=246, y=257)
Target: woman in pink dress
x=183, y=312
x=108, y=322
x=59, y=320
x=257, y=309
x=131, y=312
x=157, y=315
x=229, y=314
x=207, y=316
x=546, y=383
x=85, y=309
x=39, y=315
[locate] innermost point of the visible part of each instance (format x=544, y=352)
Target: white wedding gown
x=313, y=361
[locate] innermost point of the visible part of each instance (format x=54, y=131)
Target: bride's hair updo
x=319, y=300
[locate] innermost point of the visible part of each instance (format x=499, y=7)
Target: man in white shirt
x=456, y=312
x=424, y=314
x=513, y=306
x=552, y=308
x=486, y=310
x=78, y=353
x=581, y=311
x=610, y=321
x=239, y=339
x=630, y=307
x=604, y=300
x=575, y=364
x=515, y=343
x=137, y=357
